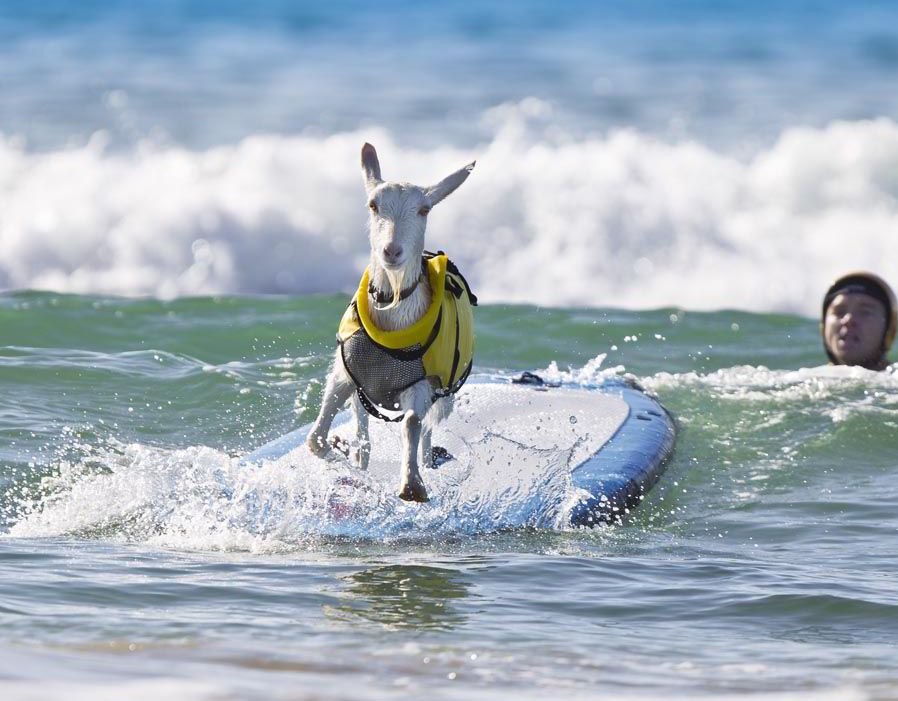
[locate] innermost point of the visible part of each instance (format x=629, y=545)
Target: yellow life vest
x=439, y=346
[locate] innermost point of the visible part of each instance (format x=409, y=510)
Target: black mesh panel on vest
x=379, y=374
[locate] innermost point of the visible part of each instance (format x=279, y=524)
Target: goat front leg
x=426, y=452
x=411, y=486
x=430, y=455
x=338, y=389
x=361, y=452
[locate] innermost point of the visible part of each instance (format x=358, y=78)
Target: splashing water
x=202, y=499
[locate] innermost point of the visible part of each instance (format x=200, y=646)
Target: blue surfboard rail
x=619, y=475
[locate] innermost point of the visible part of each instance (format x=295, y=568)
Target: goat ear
x=370, y=167
x=448, y=185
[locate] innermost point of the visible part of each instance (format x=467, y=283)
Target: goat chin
x=395, y=277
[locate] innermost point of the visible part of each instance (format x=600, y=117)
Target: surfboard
x=609, y=444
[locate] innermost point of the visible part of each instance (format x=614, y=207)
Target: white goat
x=397, y=220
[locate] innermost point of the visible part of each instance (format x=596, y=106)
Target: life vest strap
x=451, y=284
x=372, y=409
x=382, y=297
x=458, y=384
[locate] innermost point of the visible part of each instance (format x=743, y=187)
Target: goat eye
x=372, y=205
x=424, y=211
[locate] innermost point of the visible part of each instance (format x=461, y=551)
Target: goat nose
x=392, y=252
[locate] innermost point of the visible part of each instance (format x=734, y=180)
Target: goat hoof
x=318, y=447
x=416, y=493
x=340, y=444
x=439, y=455
x=359, y=459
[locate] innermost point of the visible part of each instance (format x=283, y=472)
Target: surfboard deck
x=611, y=443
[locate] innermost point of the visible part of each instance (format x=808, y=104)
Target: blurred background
x=698, y=154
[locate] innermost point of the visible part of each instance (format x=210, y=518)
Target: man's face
x=853, y=329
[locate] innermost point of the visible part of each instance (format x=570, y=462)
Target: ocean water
x=140, y=558
x=663, y=190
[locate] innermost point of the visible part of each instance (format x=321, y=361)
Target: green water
x=136, y=557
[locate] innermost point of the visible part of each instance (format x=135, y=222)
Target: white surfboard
x=608, y=444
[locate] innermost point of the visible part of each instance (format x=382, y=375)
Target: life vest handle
x=452, y=269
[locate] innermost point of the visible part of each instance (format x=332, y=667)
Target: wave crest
x=622, y=219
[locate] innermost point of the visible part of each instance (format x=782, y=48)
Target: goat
x=399, y=295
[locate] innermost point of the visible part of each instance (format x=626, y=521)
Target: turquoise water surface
x=138, y=558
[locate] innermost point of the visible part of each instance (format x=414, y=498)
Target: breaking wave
x=618, y=219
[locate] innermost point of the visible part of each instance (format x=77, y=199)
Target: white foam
x=749, y=382
x=201, y=499
x=617, y=219
x=837, y=392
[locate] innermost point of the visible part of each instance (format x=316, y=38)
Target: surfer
x=859, y=321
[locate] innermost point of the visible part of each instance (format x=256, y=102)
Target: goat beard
x=395, y=277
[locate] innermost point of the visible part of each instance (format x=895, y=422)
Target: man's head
x=859, y=320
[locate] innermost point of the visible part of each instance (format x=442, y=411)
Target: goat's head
x=397, y=215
